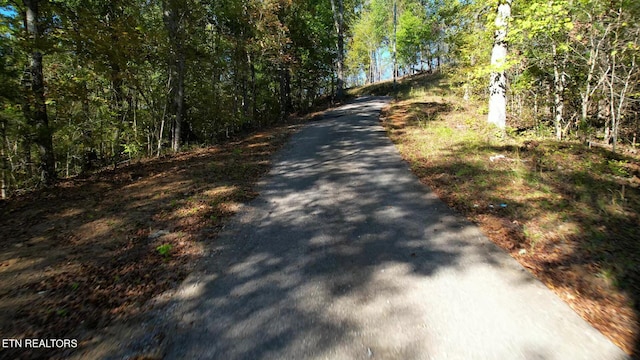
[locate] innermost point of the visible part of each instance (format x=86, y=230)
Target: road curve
x=346, y=255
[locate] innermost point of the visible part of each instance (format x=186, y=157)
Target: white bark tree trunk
x=559, y=82
x=498, y=82
x=338, y=16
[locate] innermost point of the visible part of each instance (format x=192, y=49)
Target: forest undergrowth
x=91, y=252
x=567, y=211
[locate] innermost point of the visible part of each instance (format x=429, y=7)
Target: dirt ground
x=90, y=252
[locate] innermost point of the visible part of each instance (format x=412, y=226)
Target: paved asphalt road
x=345, y=255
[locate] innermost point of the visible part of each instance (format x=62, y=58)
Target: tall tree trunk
x=395, y=38
x=117, y=107
x=89, y=153
x=498, y=82
x=287, y=77
x=338, y=17
x=586, y=96
x=179, y=101
x=594, y=52
x=301, y=103
x=39, y=119
x=245, y=93
x=164, y=113
x=370, y=79
x=559, y=80
x=621, y=99
x=285, y=92
x=4, y=186
x=173, y=19
x=252, y=67
x=378, y=67
x=87, y=134
x=25, y=129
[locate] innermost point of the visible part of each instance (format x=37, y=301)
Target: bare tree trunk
x=594, y=52
x=338, y=17
x=300, y=102
x=467, y=88
x=245, y=92
x=160, y=135
x=179, y=101
x=559, y=80
x=87, y=135
x=617, y=115
x=395, y=38
x=378, y=69
x=4, y=190
x=604, y=109
x=252, y=67
x=612, y=81
x=370, y=78
x=498, y=82
x=39, y=119
x=117, y=107
x=285, y=92
x=164, y=116
x=24, y=129
x=174, y=18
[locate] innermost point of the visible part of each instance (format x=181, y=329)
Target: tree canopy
x=571, y=66
x=91, y=83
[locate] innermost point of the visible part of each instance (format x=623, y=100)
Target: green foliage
x=572, y=64
x=413, y=35
x=111, y=75
x=131, y=150
x=618, y=167
x=164, y=250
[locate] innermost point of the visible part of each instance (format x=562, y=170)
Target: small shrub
x=164, y=249
x=618, y=168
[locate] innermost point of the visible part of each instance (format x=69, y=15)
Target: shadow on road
x=346, y=255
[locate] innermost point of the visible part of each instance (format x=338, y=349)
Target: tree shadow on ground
x=84, y=254
x=304, y=266
x=337, y=231
x=570, y=215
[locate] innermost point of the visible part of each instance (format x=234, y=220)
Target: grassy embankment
x=566, y=211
